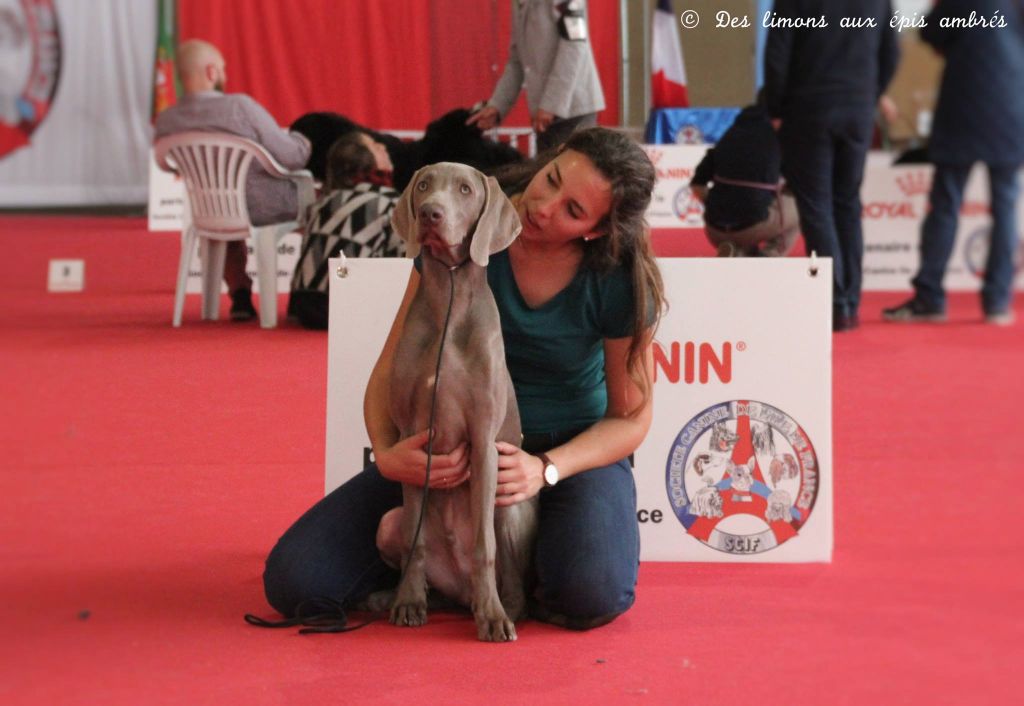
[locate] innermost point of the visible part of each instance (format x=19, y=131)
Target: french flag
x=668, y=74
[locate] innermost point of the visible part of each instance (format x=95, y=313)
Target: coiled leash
x=321, y=614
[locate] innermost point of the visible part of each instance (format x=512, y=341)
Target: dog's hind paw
x=495, y=629
x=409, y=614
x=378, y=601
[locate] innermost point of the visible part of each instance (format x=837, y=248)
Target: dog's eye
x=422, y=186
x=465, y=189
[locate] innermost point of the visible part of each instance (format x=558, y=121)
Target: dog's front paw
x=495, y=629
x=409, y=614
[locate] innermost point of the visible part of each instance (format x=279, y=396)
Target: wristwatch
x=550, y=470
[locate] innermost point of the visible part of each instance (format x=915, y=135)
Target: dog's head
x=707, y=502
x=742, y=474
x=456, y=213
x=778, y=508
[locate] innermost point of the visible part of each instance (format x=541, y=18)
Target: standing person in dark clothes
x=823, y=82
x=746, y=212
x=979, y=118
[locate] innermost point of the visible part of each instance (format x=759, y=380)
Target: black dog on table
x=447, y=139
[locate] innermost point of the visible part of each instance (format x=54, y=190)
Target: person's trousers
x=235, y=256
x=823, y=161
x=586, y=557
x=561, y=128
x=777, y=232
x=938, y=235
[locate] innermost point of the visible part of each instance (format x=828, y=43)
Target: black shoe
x=845, y=322
x=241, y=306
x=913, y=310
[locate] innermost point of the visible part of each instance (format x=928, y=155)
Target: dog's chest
x=471, y=368
x=450, y=543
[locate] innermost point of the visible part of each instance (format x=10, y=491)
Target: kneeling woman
x=579, y=296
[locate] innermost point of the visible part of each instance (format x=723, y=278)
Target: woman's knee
x=582, y=596
x=285, y=579
x=587, y=551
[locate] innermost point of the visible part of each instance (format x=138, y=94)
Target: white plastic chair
x=214, y=166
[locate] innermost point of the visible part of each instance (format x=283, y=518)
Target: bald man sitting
x=205, y=106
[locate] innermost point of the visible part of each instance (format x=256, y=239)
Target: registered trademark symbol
x=741, y=345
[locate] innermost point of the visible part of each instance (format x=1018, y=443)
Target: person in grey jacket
x=550, y=56
x=205, y=106
x=979, y=118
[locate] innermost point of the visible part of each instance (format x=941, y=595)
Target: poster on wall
x=737, y=466
x=75, y=85
x=30, y=62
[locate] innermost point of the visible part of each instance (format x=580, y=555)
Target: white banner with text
x=894, y=202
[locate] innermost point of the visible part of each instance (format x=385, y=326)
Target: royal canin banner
x=894, y=202
x=737, y=466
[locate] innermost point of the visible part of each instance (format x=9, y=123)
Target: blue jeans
x=586, y=557
x=938, y=234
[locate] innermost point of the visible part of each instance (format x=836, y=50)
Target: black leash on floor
x=316, y=615
x=327, y=615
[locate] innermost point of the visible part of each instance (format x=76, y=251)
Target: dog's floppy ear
x=497, y=226
x=403, y=218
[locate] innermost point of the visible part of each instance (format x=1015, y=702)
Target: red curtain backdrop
x=389, y=64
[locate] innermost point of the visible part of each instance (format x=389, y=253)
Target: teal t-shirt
x=555, y=353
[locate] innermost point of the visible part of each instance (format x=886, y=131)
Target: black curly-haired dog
x=447, y=139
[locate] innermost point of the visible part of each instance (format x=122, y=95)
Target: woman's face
x=565, y=200
x=379, y=151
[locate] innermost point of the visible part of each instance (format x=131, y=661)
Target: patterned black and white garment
x=355, y=221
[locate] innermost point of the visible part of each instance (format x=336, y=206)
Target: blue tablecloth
x=688, y=126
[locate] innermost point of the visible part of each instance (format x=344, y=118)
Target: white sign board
x=672, y=204
x=894, y=202
x=737, y=465
x=66, y=276
x=167, y=198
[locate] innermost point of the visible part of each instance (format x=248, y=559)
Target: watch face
x=550, y=474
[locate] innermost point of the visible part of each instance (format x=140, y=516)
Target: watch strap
x=546, y=460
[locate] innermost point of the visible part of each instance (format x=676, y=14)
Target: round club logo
x=690, y=135
x=976, y=252
x=742, y=477
x=688, y=208
x=29, y=68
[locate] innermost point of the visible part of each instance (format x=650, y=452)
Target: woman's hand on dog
x=520, y=475
x=406, y=462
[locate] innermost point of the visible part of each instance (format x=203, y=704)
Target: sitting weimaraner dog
x=468, y=549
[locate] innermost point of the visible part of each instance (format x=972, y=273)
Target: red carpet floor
x=147, y=470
